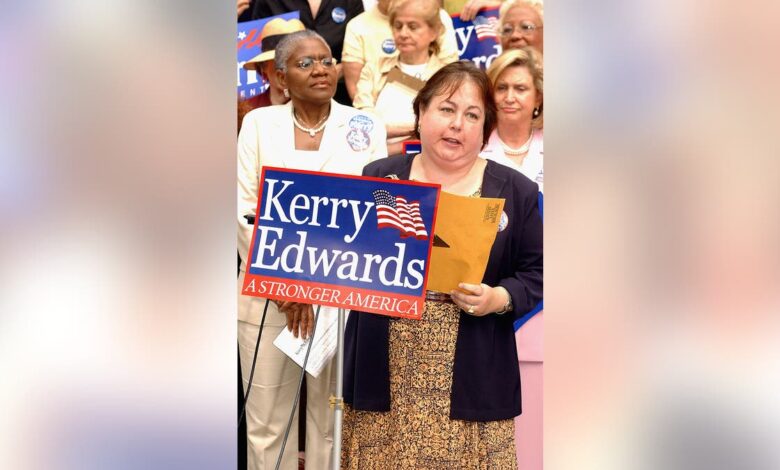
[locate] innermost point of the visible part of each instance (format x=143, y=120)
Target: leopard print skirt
x=417, y=433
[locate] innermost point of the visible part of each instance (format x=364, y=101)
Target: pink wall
x=529, y=425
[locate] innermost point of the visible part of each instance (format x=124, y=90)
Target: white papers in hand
x=325, y=342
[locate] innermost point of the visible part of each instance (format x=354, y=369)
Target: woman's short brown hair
x=447, y=81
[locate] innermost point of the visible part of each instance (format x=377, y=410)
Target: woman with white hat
x=273, y=32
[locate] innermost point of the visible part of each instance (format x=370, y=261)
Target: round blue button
x=338, y=14
x=388, y=46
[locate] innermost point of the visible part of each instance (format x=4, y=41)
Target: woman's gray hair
x=537, y=5
x=290, y=42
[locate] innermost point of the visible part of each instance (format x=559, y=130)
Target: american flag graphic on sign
x=485, y=27
x=396, y=212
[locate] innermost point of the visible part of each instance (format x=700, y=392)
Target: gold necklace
x=311, y=130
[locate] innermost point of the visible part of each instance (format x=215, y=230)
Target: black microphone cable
x=254, y=361
x=250, y=219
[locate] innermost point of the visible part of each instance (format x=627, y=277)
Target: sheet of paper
x=466, y=228
x=324, y=346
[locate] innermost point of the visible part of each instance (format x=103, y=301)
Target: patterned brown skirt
x=417, y=432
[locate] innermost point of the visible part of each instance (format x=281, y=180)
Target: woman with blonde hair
x=389, y=86
x=517, y=77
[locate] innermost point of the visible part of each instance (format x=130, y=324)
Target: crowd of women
x=443, y=391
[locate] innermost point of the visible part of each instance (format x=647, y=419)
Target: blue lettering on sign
x=477, y=40
x=338, y=230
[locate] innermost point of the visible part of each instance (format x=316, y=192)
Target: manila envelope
x=466, y=228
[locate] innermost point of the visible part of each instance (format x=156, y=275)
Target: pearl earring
x=286, y=93
x=536, y=112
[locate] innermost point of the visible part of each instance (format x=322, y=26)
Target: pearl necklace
x=311, y=130
x=520, y=150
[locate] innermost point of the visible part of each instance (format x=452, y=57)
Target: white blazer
x=352, y=138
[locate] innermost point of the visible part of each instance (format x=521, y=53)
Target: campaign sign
x=344, y=241
x=250, y=83
x=478, y=39
x=412, y=147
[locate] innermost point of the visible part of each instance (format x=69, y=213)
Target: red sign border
x=362, y=291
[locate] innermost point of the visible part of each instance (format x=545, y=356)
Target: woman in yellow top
x=389, y=87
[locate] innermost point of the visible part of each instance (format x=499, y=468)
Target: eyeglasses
x=524, y=29
x=307, y=62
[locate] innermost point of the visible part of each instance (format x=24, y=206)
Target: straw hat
x=272, y=33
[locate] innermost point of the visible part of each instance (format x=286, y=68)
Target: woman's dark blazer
x=485, y=377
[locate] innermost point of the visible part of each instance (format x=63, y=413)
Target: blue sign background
x=248, y=42
x=470, y=47
x=370, y=240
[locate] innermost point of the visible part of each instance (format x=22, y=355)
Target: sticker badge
x=358, y=139
x=338, y=14
x=388, y=46
x=503, y=222
x=362, y=122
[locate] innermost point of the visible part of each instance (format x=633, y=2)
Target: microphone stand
x=337, y=402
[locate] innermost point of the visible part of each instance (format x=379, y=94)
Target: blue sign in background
x=248, y=41
x=480, y=50
x=370, y=240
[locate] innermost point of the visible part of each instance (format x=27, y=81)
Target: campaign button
x=362, y=122
x=358, y=140
x=338, y=14
x=503, y=223
x=388, y=46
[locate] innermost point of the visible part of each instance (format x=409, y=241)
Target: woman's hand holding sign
x=300, y=318
x=480, y=299
x=472, y=7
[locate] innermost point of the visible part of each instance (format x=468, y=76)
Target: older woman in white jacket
x=311, y=132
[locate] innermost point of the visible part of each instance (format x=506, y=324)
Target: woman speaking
x=311, y=132
x=443, y=391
